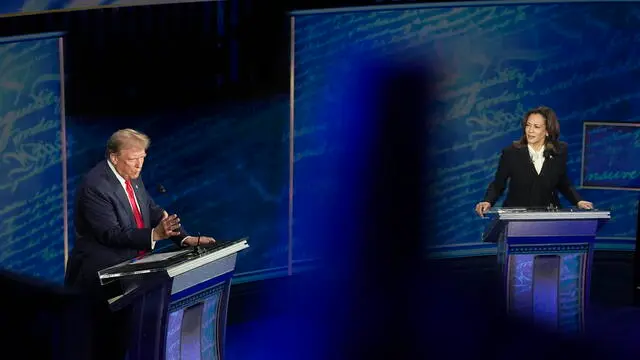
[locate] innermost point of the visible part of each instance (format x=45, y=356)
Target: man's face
x=128, y=161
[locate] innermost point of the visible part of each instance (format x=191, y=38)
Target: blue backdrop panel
x=611, y=153
x=31, y=191
x=225, y=172
x=9, y=7
x=494, y=63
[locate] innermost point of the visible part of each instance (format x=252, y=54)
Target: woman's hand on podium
x=482, y=208
x=585, y=205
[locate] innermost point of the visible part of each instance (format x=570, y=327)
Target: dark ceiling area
x=144, y=58
x=157, y=58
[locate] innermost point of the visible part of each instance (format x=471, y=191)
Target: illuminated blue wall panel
x=494, y=63
x=31, y=170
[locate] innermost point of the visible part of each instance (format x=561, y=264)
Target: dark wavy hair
x=551, y=142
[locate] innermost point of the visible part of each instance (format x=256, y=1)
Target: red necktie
x=134, y=207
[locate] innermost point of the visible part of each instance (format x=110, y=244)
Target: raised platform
x=254, y=316
x=612, y=283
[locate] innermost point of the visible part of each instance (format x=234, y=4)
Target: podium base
x=197, y=322
x=546, y=285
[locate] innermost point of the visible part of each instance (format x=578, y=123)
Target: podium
x=178, y=301
x=545, y=258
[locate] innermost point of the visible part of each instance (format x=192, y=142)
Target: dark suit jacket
x=106, y=232
x=526, y=187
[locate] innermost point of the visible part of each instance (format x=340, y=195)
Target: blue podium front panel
x=545, y=258
x=197, y=321
x=174, y=326
x=547, y=284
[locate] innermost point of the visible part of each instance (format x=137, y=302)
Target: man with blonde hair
x=116, y=220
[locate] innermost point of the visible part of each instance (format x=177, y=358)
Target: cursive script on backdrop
x=30, y=126
x=31, y=189
x=493, y=63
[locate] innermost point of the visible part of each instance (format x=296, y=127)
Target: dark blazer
x=526, y=187
x=105, y=229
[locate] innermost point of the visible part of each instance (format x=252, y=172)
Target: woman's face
x=535, y=129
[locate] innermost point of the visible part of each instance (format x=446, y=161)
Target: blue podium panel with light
x=545, y=258
x=178, y=301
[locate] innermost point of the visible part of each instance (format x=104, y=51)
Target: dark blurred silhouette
x=375, y=293
x=42, y=320
x=368, y=299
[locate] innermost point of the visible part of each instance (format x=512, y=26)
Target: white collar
x=532, y=151
x=120, y=178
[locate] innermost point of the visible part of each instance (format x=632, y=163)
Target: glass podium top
x=172, y=261
x=542, y=213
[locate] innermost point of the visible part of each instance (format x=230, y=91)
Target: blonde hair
x=124, y=138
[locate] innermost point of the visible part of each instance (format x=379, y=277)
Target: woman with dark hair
x=536, y=166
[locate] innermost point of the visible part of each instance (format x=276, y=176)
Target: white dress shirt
x=537, y=157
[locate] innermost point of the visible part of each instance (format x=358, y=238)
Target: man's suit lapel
x=118, y=191
x=138, y=189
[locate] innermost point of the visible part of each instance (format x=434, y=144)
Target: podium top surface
x=524, y=214
x=172, y=263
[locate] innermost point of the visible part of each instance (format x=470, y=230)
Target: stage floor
x=260, y=327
